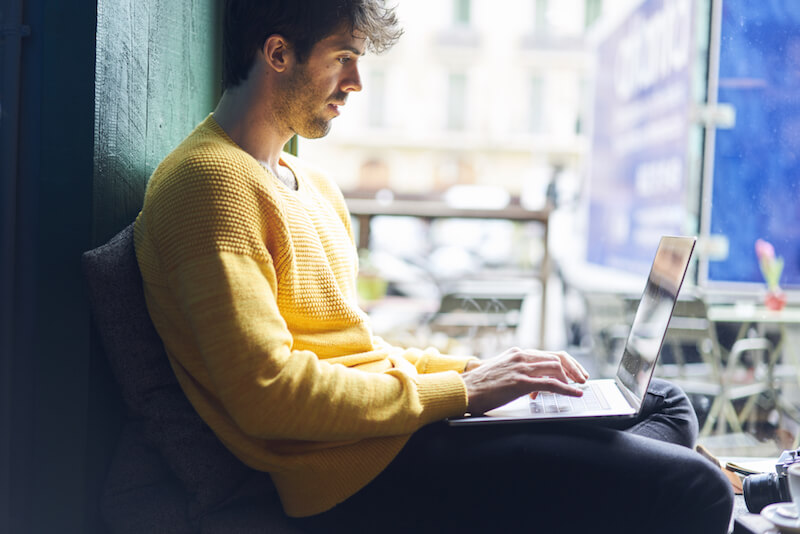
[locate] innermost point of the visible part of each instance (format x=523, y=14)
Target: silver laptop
x=621, y=396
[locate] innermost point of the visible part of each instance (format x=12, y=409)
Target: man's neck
x=245, y=118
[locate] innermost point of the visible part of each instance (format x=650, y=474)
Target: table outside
x=785, y=322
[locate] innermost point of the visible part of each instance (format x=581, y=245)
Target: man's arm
x=273, y=391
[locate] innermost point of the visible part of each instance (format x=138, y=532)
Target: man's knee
x=672, y=394
x=708, y=494
x=670, y=404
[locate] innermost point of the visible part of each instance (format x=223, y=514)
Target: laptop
x=621, y=396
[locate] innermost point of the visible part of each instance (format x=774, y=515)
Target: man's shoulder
x=203, y=161
x=206, y=152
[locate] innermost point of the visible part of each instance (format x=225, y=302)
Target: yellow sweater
x=251, y=286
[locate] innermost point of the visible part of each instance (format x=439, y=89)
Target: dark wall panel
x=51, y=226
x=107, y=88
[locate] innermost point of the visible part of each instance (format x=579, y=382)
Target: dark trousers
x=636, y=476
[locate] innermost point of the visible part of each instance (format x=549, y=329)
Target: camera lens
x=762, y=490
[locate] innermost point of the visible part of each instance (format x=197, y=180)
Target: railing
x=364, y=210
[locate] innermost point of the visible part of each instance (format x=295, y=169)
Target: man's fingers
x=580, y=374
x=574, y=372
x=574, y=369
x=576, y=365
x=555, y=386
x=580, y=367
x=547, y=369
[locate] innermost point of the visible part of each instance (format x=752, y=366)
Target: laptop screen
x=653, y=314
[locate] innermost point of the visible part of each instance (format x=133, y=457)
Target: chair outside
x=728, y=376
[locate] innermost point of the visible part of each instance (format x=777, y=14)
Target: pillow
x=209, y=472
x=141, y=494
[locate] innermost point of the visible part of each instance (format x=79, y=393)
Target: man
x=249, y=270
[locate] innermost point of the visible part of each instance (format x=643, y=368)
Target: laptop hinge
x=629, y=396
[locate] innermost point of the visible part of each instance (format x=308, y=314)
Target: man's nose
x=351, y=81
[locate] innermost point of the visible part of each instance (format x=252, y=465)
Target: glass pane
x=461, y=12
x=456, y=101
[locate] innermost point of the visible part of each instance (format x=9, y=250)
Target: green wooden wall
x=157, y=76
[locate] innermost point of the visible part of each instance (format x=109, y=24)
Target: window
x=592, y=12
x=377, y=99
x=456, y=101
x=458, y=31
x=461, y=12
x=584, y=97
x=540, y=24
x=536, y=102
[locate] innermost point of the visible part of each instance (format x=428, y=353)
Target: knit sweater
x=251, y=286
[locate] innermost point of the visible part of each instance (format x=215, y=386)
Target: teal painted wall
x=156, y=77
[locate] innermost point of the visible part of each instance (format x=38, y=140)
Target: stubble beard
x=302, y=105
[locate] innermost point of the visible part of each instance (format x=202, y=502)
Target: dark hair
x=248, y=23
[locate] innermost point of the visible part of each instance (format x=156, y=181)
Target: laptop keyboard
x=547, y=402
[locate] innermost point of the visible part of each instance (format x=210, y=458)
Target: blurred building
x=475, y=92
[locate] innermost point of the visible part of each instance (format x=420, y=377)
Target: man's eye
x=344, y=60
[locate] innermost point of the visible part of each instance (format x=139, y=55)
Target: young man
x=249, y=270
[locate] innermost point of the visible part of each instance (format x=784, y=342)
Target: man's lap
x=545, y=475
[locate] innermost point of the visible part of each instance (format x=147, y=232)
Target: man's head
x=305, y=97
x=303, y=23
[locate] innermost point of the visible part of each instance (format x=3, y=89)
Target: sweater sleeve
x=274, y=392
x=236, y=347
x=428, y=360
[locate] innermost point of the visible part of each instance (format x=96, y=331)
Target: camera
x=766, y=488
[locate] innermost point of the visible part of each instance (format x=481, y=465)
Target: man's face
x=314, y=90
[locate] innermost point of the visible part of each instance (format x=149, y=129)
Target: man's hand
x=472, y=364
x=516, y=372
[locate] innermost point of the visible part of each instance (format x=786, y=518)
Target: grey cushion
x=141, y=493
x=209, y=473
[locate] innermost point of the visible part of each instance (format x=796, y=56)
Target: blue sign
x=757, y=162
x=640, y=138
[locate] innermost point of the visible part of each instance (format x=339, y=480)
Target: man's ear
x=277, y=53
